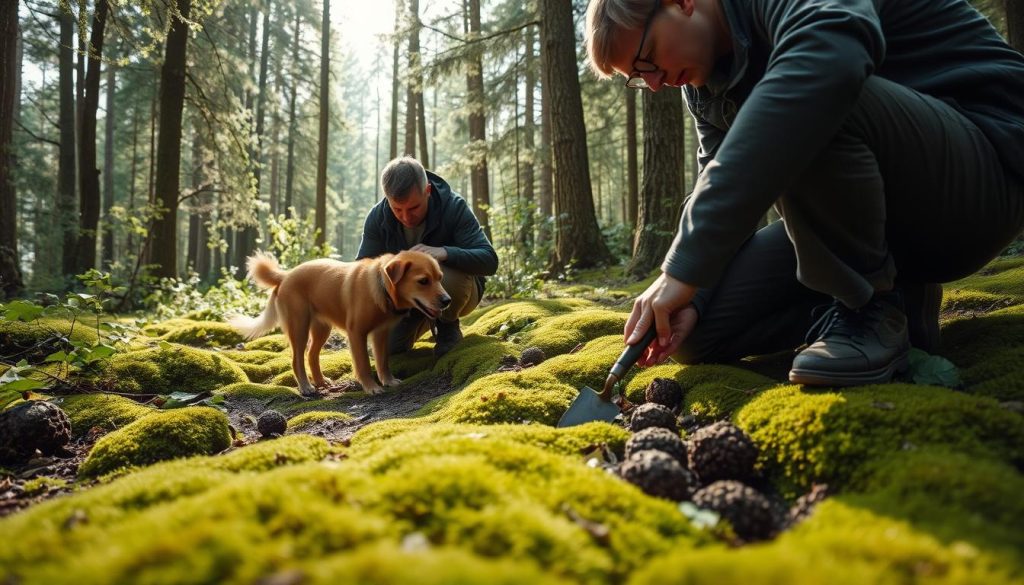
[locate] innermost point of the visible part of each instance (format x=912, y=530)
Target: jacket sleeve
x=709, y=138
x=821, y=54
x=471, y=252
x=371, y=244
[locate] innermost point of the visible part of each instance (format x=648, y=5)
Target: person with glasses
x=887, y=134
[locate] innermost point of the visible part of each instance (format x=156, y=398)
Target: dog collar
x=390, y=303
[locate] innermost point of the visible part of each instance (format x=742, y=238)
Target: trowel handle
x=632, y=353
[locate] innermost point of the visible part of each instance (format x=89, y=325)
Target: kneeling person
x=421, y=212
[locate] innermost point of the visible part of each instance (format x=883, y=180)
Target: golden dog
x=365, y=298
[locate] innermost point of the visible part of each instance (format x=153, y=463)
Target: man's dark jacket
x=795, y=75
x=450, y=225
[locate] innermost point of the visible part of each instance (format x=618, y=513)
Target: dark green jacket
x=795, y=75
x=450, y=224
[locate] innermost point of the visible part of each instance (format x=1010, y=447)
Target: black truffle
x=658, y=439
x=721, y=451
x=32, y=425
x=666, y=392
x=532, y=356
x=805, y=504
x=271, y=423
x=652, y=415
x=747, y=510
x=658, y=474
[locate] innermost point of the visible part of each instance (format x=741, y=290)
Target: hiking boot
x=447, y=335
x=847, y=347
x=923, y=302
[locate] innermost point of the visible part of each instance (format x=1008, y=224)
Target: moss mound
x=475, y=356
x=313, y=417
x=808, y=437
x=560, y=334
x=171, y=368
x=158, y=437
x=266, y=393
x=276, y=342
x=205, y=334
x=106, y=411
x=509, y=398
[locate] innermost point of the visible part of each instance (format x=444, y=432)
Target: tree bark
x=320, y=219
x=632, y=193
x=545, y=203
x=10, y=269
x=526, y=233
x=478, y=127
x=1015, y=23
x=289, y=181
x=578, y=238
x=66, y=166
x=395, y=86
x=416, y=85
x=172, y=98
x=663, y=182
x=89, y=172
x=108, y=165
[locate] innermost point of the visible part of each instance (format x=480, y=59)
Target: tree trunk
x=1015, y=23
x=289, y=181
x=66, y=173
x=410, y=91
x=416, y=72
x=10, y=269
x=578, y=238
x=526, y=237
x=631, y=148
x=89, y=172
x=108, y=165
x=545, y=204
x=320, y=220
x=192, y=252
x=478, y=127
x=172, y=98
x=395, y=86
x=663, y=183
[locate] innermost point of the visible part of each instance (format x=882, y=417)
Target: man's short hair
x=400, y=176
x=605, y=20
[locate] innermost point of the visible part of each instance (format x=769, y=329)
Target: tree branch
x=33, y=134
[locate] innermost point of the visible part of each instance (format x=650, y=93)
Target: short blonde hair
x=605, y=19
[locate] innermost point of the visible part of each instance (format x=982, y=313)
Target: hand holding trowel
x=592, y=406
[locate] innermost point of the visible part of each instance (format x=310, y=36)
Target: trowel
x=604, y=406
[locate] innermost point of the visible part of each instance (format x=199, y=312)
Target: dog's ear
x=394, y=270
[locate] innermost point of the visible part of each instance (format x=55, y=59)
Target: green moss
x=169, y=369
x=267, y=455
x=106, y=411
x=807, y=437
x=958, y=301
x=205, y=334
x=710, y=391
x=43, y=484
x=475, y=356
x=334, y=365
x=509, y=398
x=164, y=327
x=559, y=334
x=510, y=317
x=409, y=363
x=999, y=376
x=968, y=341
x=34, y=340
x=158, y=437
x=277, y=342
x=1003, y=276
x=266, y=393
x=587, y=367
x=953, y=496
x=254, y=356
x=317, y=416
x=840, y=544
x=390, y=565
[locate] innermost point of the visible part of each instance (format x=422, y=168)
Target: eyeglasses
x=643, y=67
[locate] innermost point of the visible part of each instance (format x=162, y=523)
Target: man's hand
x=667, y=303
x=439, y=254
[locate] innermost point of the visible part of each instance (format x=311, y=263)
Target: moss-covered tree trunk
x=578, y=238
x=172, y=99
x=664, y=183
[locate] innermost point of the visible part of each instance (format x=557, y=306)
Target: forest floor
x=459, y=475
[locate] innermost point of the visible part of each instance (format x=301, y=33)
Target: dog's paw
x=325, y=383
x=308, y=390
x=373, y=388
x=391, y=382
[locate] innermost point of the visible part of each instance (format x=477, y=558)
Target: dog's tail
x=264, y=271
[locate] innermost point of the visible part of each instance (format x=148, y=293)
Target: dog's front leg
x=361, y=363
x=381, y=357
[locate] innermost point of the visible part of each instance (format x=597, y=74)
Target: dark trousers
x=909, y=191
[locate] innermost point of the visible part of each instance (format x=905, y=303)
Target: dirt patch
x=21, y=485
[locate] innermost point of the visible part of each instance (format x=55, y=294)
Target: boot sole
x=826, y=378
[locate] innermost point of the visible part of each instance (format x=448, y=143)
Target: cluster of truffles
x=712, y=468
